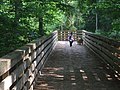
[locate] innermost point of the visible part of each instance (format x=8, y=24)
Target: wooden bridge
x=49, y=63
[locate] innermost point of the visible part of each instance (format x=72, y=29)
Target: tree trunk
x=96, y=22
x=17, y=4
x=41, y=30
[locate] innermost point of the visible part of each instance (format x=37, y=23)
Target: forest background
x=22, y=21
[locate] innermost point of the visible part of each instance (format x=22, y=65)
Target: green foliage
x=108, y=16
x=21, y=21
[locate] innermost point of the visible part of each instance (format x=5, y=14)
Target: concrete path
x=76, y=68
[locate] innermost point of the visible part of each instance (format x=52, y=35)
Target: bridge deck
x=75, y=68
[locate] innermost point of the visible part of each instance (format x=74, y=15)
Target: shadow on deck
x=75, y=68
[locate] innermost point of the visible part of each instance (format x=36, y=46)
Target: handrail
x=63, y=34
x=19, y=69
x=105, y=48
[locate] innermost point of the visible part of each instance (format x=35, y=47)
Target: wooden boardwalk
x=75, y=68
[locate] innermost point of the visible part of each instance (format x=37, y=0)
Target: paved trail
x=75, y=68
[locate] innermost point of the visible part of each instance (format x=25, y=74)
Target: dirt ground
x=75, y=68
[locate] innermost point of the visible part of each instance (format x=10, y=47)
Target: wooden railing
x=107, y=49
x=63, y=35
x=19, y=69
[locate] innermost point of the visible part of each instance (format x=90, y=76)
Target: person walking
x=70, y=39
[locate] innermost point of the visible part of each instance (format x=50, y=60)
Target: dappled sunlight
x=84, y=76
x=73, y=78
x=73, y=84
x=63, y=42
x=44, y=86
x=96, y=76
x=71, y=69
x=53, y=69
x=82, y=71
x=52, y=75
x=108, y=77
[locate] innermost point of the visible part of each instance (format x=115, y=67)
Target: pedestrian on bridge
x=70, y=39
